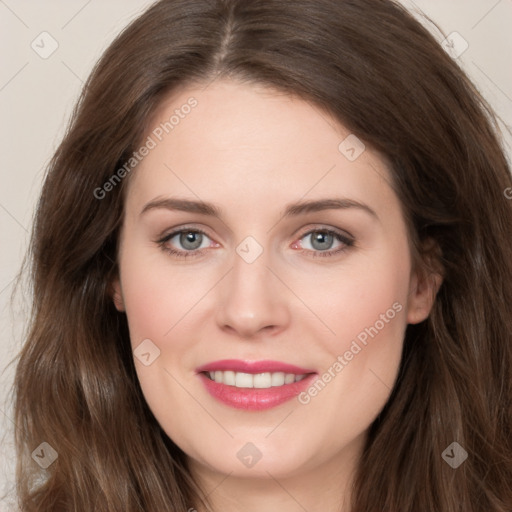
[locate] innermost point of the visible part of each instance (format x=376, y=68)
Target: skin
x=251, y=151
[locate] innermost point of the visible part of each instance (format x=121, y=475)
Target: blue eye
x=195, y=241
x=190, y=239
x=322, y=241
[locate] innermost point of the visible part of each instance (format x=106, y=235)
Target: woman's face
x=295, y=294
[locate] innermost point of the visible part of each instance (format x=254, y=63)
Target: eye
x=192, y=242
x=321, y=242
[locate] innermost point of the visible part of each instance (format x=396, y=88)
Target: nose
x=253, y=301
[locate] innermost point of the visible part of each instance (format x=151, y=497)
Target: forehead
x=245, y=142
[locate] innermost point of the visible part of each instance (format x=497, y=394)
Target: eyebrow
x=291, y=210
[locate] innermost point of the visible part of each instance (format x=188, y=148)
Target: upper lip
x=238, y=365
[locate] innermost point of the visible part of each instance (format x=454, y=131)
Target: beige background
x=37, y=96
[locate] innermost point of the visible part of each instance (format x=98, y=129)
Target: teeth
x=229, y=378
x=256, y=380
x=289, y=378
x=243, y=380
x=262, y=380
x=277, y=379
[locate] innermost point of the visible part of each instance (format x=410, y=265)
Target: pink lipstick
x=254, y=385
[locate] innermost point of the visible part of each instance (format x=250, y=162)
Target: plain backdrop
x=37, y=94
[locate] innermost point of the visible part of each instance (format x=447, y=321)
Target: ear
x=117, y=294
x=424, y=285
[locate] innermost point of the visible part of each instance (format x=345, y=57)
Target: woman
x=272, y=270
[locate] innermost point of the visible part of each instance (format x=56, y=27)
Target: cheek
x=158, y=302
x=365, y=310
x=362, y=301
x=157, y=296
x=373, y=316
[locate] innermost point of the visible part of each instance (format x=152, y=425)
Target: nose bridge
x=252, y=298
x=250, y=268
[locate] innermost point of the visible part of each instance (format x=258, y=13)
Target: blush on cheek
x=143, y=318
x=159, y=294
x=150, y=307
x=370, y=314
x=374, y=341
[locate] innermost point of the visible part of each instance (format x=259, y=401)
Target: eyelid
x=323, y=227
x=179, y=229
x=184, y=229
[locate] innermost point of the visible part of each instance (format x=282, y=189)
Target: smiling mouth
x=253, y=380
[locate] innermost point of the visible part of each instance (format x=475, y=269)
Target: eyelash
x=347, y=241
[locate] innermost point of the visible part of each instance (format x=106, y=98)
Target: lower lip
x=255, y=399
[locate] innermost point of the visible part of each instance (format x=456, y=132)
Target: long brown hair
x=370, y=64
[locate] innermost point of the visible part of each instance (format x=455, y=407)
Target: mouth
x=254, y=385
